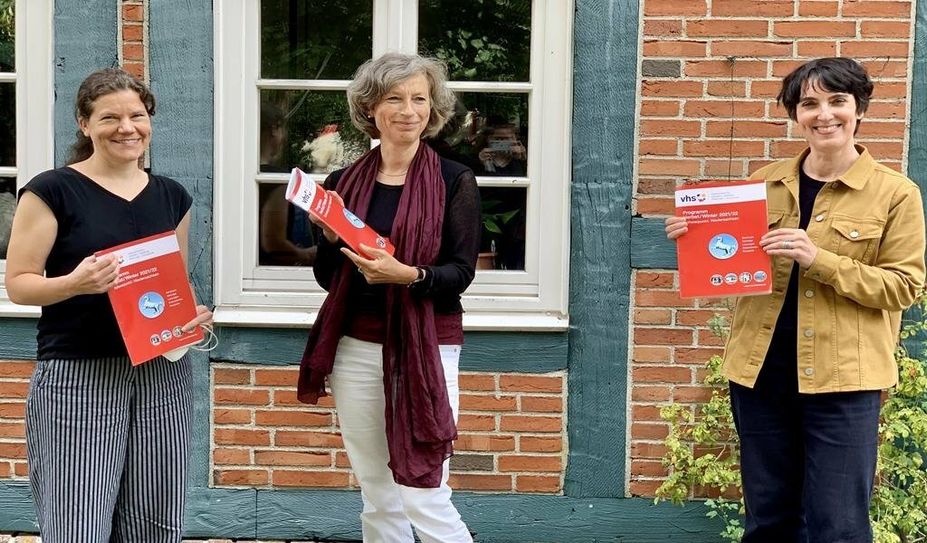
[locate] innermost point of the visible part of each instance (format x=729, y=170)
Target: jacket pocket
x=857, y=239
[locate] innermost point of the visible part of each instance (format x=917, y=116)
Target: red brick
x=290, y=458
x=889, y=89
x=662, y=27
x=647, y=488
x=286, y=397
x=241, y=396
x=310, y=479
x=133, y=51
x=522, y=423
x=681, y=167
x=724, y=108
x=513, y=462
x=342, y=460
x=814, y=29
x=292, y=418
x=485, y=443
x=674, y=49
x=890, y=129
x=655, y=206
x=747, y=129
x=672, y=89
x=15, y=369
x=713, y=148
x=786, y=148
x=648, y=468
x=876, y=8
x=869, y=48
x=781, y=68
x=694, y=317
x=670, y=374
x=742, y=28
x=813, y=49
x=20, y=469
x=663, y=187
x=275, y=377
x=807, y=8
x=540, y=444
x=645, y=413
x=231, y=416
x=765, y=89
x=662, y=336
x=6, y=470
x=726, y=88
x=12, y=429
x=886, y=110
x=652, y=127
x=537, y=483
x=659, y=108
x=696, y=355
x=238, y=436
x=15, y=410
x=14, y=390
x=691, y=394
x=651, y=279
x=530, y=383
x=476, y=423
x=294, y=438
x=477, y=381
x=707, y=337
x=739, y=8
x=643, y=449
x=651, y=354
x=241, y=477
x=541, y=404
x=237, y=457
x=13, y=450
x=475, y=402
x=882, y=69
x=653, y=316
x=651, y=393
x=660, y=298
x=724, y=168
x=474, y=481
x=136, y=69
x=647, y=430
x=677, y=8
x=133, y=32
x=231, y=376
x=658, y=147
x=752, y=48
x=885, y=29
x=885, y=149
x=133, y=13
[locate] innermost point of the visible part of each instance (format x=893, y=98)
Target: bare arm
x=203, y=314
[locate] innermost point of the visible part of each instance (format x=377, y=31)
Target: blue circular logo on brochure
x=723, y=246
x=352, y=218
x=151, y=304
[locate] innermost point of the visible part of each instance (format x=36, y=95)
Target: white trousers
x=390, y=509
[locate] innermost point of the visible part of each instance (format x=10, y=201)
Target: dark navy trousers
x=807, y=461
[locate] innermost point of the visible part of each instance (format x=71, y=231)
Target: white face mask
x=210, y=343
x=176, y=354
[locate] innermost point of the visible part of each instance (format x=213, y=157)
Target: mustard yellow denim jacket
x=869, y=229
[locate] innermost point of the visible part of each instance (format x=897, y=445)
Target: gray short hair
x=374, y=78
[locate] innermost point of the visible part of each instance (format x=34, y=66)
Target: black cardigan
x=454, y=269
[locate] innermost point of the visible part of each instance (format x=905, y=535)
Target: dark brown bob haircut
x=832, y=74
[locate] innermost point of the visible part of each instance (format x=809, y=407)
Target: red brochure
x=720, y=255
x=152, y=298
x=307, y=195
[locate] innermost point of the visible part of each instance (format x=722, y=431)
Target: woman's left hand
x=791, y=243
x=203, y=316
x=382, y=267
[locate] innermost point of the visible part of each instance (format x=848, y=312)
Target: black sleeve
x=328, y=257
x=460, y=242
x=47, y=186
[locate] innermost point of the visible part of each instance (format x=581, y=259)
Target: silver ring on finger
x=786, y=244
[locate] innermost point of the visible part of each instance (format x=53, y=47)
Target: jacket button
x=809, y=371
x=808, y=332
x=809, y=293
x=854, y=234
x=819, y=218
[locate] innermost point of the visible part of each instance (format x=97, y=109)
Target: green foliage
x=493, y=221
x=702, y=452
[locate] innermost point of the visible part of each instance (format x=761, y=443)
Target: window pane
x=479, y=41
x=7, y=43
x=7, y=205
x=502, y=245
x=489, y=133
x=7, y=124
x=308, y=129
x=285, y=235
x=322, y=39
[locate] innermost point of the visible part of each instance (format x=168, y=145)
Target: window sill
x=10, y=310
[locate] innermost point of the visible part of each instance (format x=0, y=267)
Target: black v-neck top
x=90, y=219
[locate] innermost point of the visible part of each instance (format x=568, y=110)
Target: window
x=282, y=67
x=26, y=103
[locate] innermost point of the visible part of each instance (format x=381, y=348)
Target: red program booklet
x=152, y=298
x=720, y=255
x=307, y=195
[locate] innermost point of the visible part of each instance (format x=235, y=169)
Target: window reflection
x=502, y=245
x=7, y=206
x=7, y=124
x=285, y=235
x=7, y=40
x=322, y=39
x=479, y=41
x=488, y=133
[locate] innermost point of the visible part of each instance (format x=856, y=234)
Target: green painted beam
x=483, y=351
x=17, y=339
x=649, y=247
x=917, y=151
x=16, y=511
x=605, y=64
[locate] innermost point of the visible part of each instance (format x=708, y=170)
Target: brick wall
x=14, y=385
x=133, y=37
x=710, y=71
x=512, y=433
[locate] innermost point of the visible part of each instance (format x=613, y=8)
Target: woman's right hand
x=94, y=275
x=675, y=227
x=329, y=234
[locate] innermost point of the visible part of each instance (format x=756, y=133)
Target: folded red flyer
x=307, y=195
x=720, y=255
x=152, y=298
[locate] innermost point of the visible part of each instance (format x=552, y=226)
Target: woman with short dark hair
x=808, y=361
x=389, y=333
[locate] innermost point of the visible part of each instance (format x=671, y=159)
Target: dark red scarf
x=420, y=425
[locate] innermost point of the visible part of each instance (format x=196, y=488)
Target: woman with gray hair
x=388, y=335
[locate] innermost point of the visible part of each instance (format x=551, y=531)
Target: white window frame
x=251, y=295
x=35, y=102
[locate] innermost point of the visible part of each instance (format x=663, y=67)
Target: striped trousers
x=108, y=449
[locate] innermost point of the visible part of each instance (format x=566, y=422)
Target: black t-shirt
x=90, y=218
